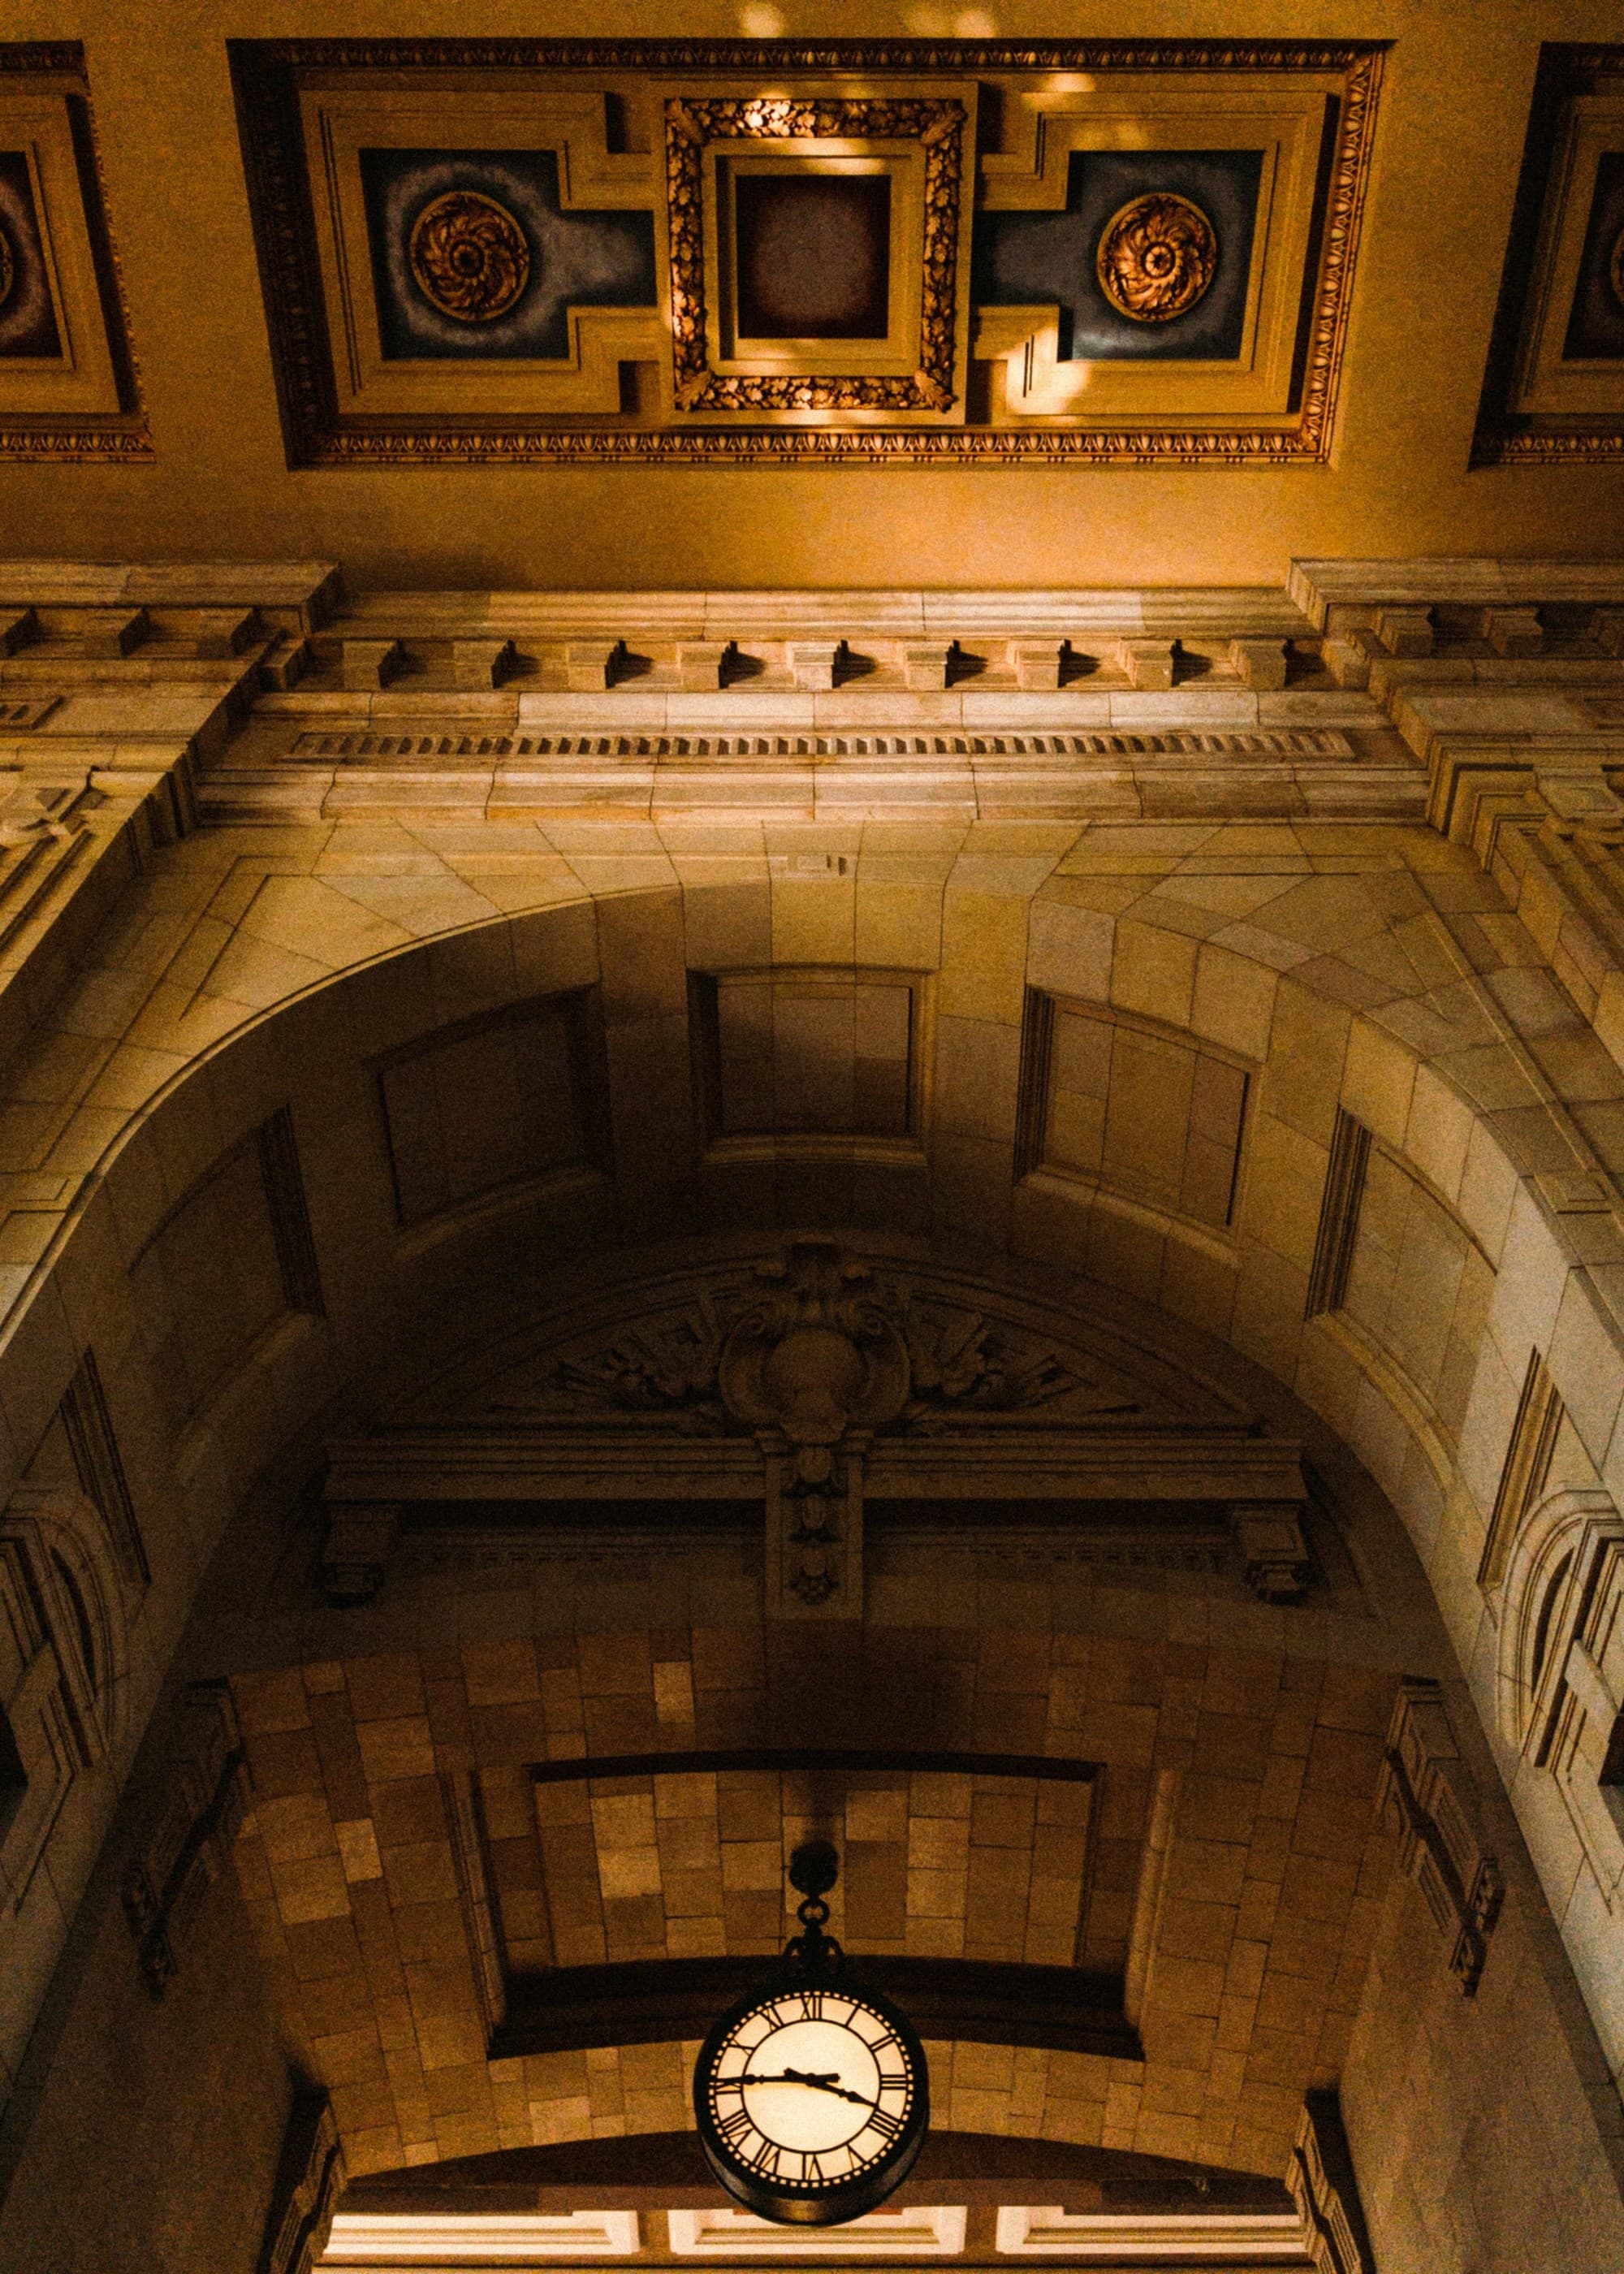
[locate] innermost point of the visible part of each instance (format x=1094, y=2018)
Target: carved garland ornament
x=469, y=256
x=1156, y=258
x=690, y=124
x=7, y=269
x=1616, y=268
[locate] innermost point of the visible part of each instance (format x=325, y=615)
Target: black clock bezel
x=842, y=2200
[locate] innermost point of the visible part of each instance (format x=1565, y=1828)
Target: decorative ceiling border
x=121, y=438
x=265, y=75
x=1501, y=436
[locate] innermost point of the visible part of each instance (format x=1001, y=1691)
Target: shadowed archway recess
x=959, y=2202
x=1013, y=1327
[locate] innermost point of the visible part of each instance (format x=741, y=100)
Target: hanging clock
x=812, y=2099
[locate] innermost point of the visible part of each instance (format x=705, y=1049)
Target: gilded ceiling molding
x=70, y=379
x=1553, y=391
x=1280, y=403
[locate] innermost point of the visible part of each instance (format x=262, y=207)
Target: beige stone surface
x=1228, y=975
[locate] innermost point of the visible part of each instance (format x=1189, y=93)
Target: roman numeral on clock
x=735, y=2126
x=884, y=2123
x=811, y=2004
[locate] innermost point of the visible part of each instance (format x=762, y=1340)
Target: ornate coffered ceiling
x=68, y=386
x=1156, y=257
x=1555, y=385
x=987, y=250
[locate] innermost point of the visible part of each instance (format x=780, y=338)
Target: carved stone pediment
x=795, y=1339
x=813, y=1379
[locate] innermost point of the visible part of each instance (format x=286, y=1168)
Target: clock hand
x=827, y=2084
x=821, y=2083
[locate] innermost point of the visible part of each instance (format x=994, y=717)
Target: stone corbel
x=1037, y=664
x=1606, y=628
x=814, y=664
x=1579, y=804
x=222, y=633
x=591, y=665
x=285, y=662
x=482, y=664
x=1324, y=2189
x=1258, y=663
x=198, y=1812
x=703, y=664
x=1347, y=656
x=1425, y=1798
x=372, y=663
x=310, y=2179
x=115, y=632
x=20, y=628
x=1406, y=631
x=1148, y=663
x=1513, y=631
x=814, y=1530
x=927, y=665
x=1269, y=1535
x=356, y=1554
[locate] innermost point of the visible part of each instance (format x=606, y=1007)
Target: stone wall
x=271, y=1035
x=1483, y=2128
x=145, y=2133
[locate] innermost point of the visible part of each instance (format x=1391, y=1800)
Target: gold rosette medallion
x=1156, y=258
x=470, y=256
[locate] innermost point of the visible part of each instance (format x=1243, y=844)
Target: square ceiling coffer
x=815, y=255
x=812, y=252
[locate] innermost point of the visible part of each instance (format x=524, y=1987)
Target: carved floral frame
x=690, y=124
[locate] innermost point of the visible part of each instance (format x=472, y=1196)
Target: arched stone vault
x=1299, y=1087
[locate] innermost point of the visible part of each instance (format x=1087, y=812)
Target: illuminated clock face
x=811, y=2103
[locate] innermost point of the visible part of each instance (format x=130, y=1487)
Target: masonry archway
x=1189, y=1219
